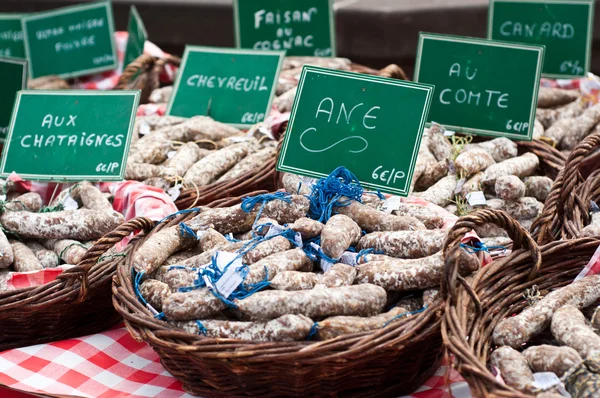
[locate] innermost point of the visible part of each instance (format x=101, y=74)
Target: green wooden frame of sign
x=590, y=36
x=134, y=16
x=68, y=10
x=14, y=17
x=237, y=33
x=218, y=50
x=70, y=177
x=23, y=63
x=427, y=88
x=493, y=43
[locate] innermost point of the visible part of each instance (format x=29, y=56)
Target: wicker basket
x=475, y=305
x=75, y=304
x=566, y=210
x=144, y=74
x=388, y=362
x=552, y=161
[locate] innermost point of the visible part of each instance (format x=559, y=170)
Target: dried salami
x=372, y=220
x=404, y=244
x=24, y=258
x=339, y=233
x=569, y=327
x=294, y=280
x=268, y=267
x=549, y=358
x=513, y=368
x=155, y=293
x=332, y=327
x=195, y=304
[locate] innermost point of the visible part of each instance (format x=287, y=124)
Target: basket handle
x=563, y=195
x=521, y=239
x=105, y=243
x=393, y=71
x=142, y=62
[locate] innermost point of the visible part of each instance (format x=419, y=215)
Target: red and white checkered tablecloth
x=113, y=364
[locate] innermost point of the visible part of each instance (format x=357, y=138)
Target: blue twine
x=179, y=212
x=378, y=193
x=405, y=314
x=187, y=232
x=313, y=330
x=201, y=328
x=137, y=278
x=181, y=267
x=160, y=316
x=328, y=192
x=480, y=247
x=365, y=252
x=230, y=238
x=248, y=203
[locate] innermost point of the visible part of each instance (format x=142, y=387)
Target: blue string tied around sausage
x=178, y=213
x=405, y=314
x=313, y=331
x=481, y=247
x=187, y=232
x=338, y=189
x=249, y=202
x=317, y=253
x=137, y=279
x=201, y=328
x=365, y=252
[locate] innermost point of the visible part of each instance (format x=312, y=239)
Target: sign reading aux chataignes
x=14, y=79
x=232, y=86
x=369, y=124
x=70, y=41
x=70, y=135
x=298, y=27
x=563, y=26
x=482, y=87
x=136, y=38
x=11, y=36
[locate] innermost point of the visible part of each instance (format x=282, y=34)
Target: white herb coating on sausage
x=551, y=97
x=6, y=254
x=211, y=239
x=308, y=228
x=431, y=296
x=158, y=182
x=185, y=157
x=158, y=247
x=473, y=161
x=80, y=224
x=473, y=184
x=195, y=304
x=284, y=102
x=70, y=251
x=30, y=201
x=510, y=188
x=285, y=328
x=538, y=129
x=439, y=146
x=425, y=162
x=294, y=280
x=500, y=148
x=430, y=219
x=367, y=258
x=183, y=255
x=175, y=277
x=523, y=209
x=405, y=244
x=593, y=228
x=570, y=328
x=206, y=257
x=266, y=248
x=538, y=187
x=338, y=275
x=335, y=326
x=155, y=293
x=372, y=220
x=142, y=171
x=520, y=166
x=24, y=258
x=339, y=233
x=432, y=175
x=550, y=116
x=359, y=300
x=47, y=258
x=549, y=358
x=569, y=132
x=268, y=267
x=93, y=199
x=211, y=167
x=206, y=128
x=441, y=192
x=4, y=277
x=292, y=183
x=595, y=318
x=519, y=329
x=250, y=162
x=161, y=95
x=497, y=241
x=513, y=368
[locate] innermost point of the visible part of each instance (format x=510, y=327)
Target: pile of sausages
x=33, y=237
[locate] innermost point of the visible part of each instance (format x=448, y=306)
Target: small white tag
x=307, y=182
x=325, y=265
x=476, y=198
x=392, y=203
x=69, y=203
x=174, y=191
x=144, y=128
x=238, y=139
x=349, y=258
x=298, y=240
x=547, y=380
x=3, y=198
x=449, y=133
x=170, y=154
x=151, y=309
x=274, y=230
x=231, y=277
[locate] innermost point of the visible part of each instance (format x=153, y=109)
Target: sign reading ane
x=70, y=135
x=563, y=26
x=300, y=27
x=71, y=41
x=369, y=124
x=482, y=86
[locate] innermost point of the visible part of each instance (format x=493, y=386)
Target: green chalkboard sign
x=11, y=36
x=137, y=36
x=369, y=124
x=298, y=27
x=563, y=26
x=482, y=87
x=232, y=86
x=14, y=79
x=70, y=135
x=70, y=41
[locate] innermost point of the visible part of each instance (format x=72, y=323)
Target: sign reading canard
x=70, y=135
x=70, y=41
x=231, y=86
x=563, y=26
x=298, y=27
x=369, y=124
x=482, y=86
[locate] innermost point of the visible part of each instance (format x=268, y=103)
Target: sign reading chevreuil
x=369, y=124
x=231, y=86
x=298, y=27
x=482, y=87
x=563, y=26
x=70, y=135
x=70, y=41
x=13, y=73
x=11, y=36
